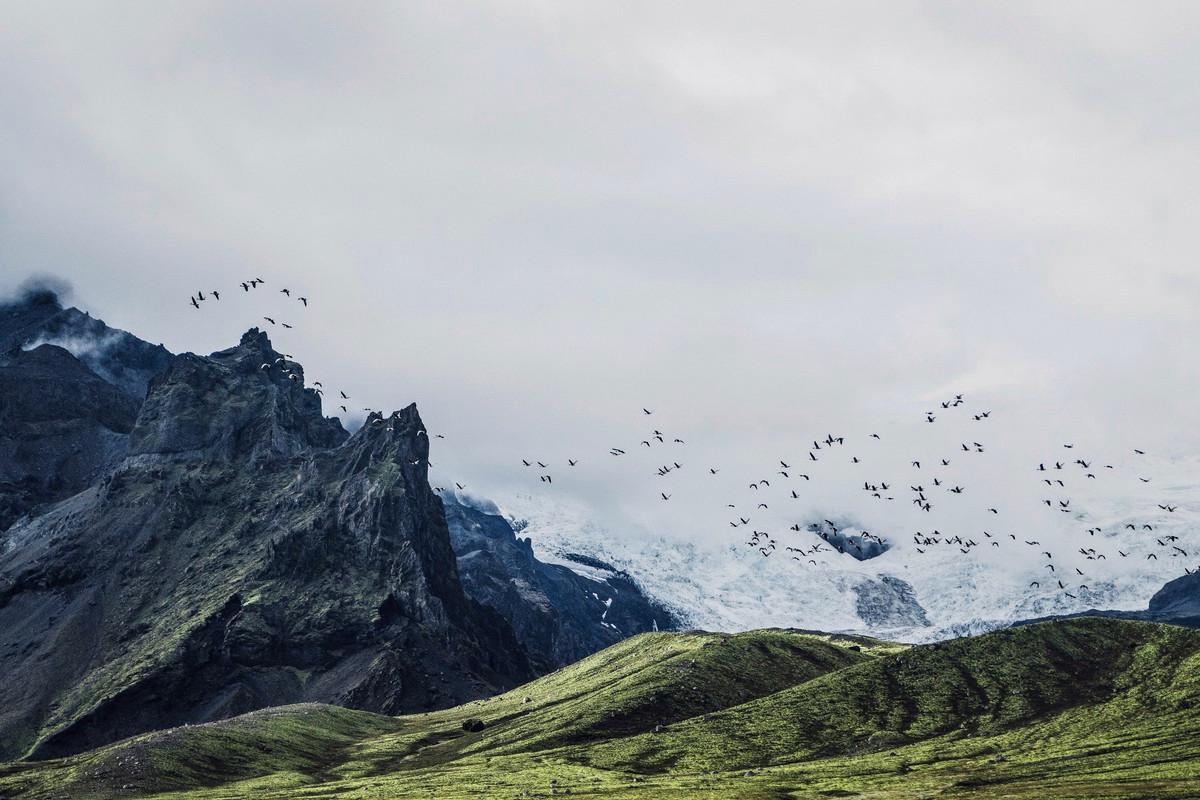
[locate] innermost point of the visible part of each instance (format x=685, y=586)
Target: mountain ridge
x=188, y=538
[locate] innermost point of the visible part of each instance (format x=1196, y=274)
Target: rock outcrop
x=244, y=551
x=119, y=357
x=1178, y=601
x=558, y=614
x=61, y=428
x=889, y=602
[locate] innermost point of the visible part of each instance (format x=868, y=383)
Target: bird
x=303, y=300
x=286, y=291
x=268, y=319
x=194, y=303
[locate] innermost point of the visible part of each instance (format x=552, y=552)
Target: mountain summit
x=244, y=551
x=184, y=538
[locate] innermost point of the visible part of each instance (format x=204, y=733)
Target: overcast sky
x=763, y=221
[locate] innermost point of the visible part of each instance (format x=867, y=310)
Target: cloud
x=40, y=289
x=765, y=223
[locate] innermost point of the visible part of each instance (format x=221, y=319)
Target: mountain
x=245, y=551
x=559, y=613
x=1080, y=708
x=61, y=427
x=120, y=358
x=184, y=538
x=1177, y=603
x=70, y=388
x=715, y=582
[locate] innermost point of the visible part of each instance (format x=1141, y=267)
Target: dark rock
x=857, y=546
x=559, y=615
x=118, y=357
x=888, y=602
x=61, y=427
x=244, y=552
x=1178, y=600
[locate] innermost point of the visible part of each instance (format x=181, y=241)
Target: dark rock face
x=889, y=603
x=120, y=358
x=857, y=546
x=1178, y=601
x=243, y=551
x=61, y=427
x=65, y=411
x=559, y=615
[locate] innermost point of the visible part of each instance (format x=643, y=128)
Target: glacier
x=721, y=585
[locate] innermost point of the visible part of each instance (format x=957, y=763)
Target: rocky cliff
x=61, y=427
x=70, y=388
x=559, y=614
x=184, y=538
x=243, y=551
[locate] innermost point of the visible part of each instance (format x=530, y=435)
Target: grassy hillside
x=1084, y=708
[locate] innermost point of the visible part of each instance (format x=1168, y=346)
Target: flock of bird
x=811, y=539
x=927, y=484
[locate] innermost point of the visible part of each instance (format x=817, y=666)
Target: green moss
x=1086, y=708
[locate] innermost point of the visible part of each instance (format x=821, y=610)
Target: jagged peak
x=257, y=338
x=246, y=400
x=254, y=342
x=399, y=437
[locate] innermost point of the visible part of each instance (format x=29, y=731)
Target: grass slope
x=1085, y=708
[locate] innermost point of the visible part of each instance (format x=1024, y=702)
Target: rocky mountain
x=61, y=427
x=184, y=538
x=118, y=357
x=559, y=614
x=1178, y=602
x=244, y=552
x=70, y=388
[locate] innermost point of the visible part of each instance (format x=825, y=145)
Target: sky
x=764, y=222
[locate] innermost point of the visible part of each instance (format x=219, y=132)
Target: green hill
x=1082, y=708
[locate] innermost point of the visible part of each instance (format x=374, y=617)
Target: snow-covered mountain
x=904, y=593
